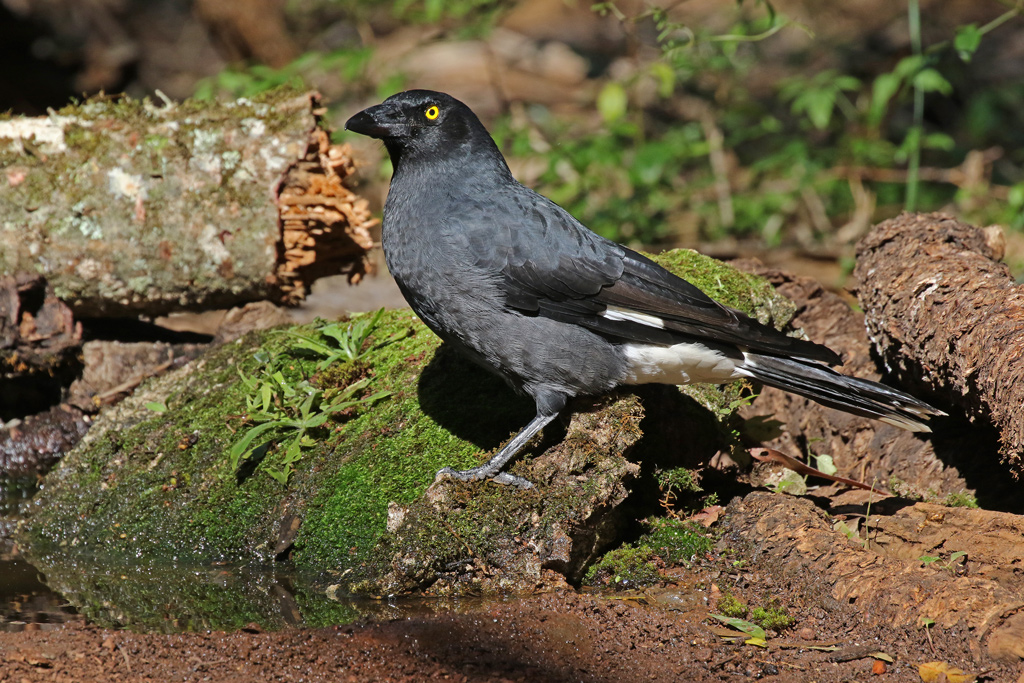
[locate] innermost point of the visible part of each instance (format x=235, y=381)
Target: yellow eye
x=432, y=112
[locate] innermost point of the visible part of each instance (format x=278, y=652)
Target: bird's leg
x=492, y=468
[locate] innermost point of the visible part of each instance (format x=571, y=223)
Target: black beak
x=380, y=121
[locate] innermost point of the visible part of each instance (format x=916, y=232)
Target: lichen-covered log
x=945, y=315
x=129, y=207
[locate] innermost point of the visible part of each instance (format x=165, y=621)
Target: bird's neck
x=468, y=161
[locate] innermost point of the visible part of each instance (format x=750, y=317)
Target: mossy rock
x=148, y=483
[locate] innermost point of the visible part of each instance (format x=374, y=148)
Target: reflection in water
x=26, y=603
x=165, y=597
x=168, y=598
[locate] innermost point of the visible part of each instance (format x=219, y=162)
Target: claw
x=478, y=473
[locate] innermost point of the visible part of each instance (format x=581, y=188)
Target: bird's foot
x=478, y=473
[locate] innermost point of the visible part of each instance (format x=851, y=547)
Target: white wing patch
x=626, y=315
x=688, y=363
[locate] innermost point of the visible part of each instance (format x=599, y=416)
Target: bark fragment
x=947, y=317
x=39, y=344
x=37, y=331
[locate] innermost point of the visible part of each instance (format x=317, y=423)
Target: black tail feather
x=821, y=383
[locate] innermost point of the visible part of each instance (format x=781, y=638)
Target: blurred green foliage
x=807, y=154
x=688, y=145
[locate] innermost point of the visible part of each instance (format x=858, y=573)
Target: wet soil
x=565, y=636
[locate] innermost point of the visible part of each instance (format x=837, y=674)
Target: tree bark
x=946, y=316
x=867, y=450
x=130, y=208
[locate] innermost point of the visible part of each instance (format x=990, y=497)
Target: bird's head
x=424, y=124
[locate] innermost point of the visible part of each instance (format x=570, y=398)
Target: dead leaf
x=772, y=455
x=708, y=515
x=935, y=672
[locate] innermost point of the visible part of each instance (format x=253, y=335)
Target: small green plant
x=335, y=342
x=950, y=565
x=927, y=623
x=772, y=617
x=730, y=606
x=291, y=409
x=294, y=410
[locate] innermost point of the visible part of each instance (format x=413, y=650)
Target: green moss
x=772, y=617
x=731, y=606
x=625, y=567
x=136, y=489
x=961, y=499
x=676, y=541
x=161, y=484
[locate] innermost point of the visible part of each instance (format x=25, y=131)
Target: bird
x=520, y=287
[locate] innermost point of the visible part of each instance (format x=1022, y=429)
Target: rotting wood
x=131, y=208
x=37, y=331
x=796, y=541
x=325, y=226
x=867, y=450
x=946, y=316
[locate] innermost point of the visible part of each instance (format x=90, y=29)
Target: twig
x=125, y=387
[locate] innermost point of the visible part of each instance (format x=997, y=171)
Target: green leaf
x=940, y=141
x=883, y=90
x=280, y=475
x=267, y=394
x=826, y=464
x=751, y=629
x=157, y=407
x=666, y=78
x=612, y=102
x=847, y=83
x=1015, y=197
x=908, y=66
x=967, y=40
x=818, y=105
x=930, y=80
x=241, y=447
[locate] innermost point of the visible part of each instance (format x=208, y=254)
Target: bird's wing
x=553, y=266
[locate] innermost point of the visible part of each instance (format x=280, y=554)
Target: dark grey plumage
x=521, y=287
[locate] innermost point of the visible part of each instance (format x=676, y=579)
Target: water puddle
x=47, y=588
x=55, y=588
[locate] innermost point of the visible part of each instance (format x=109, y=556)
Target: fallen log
x=911, y=464
x=947, y=317
x=130, y=208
